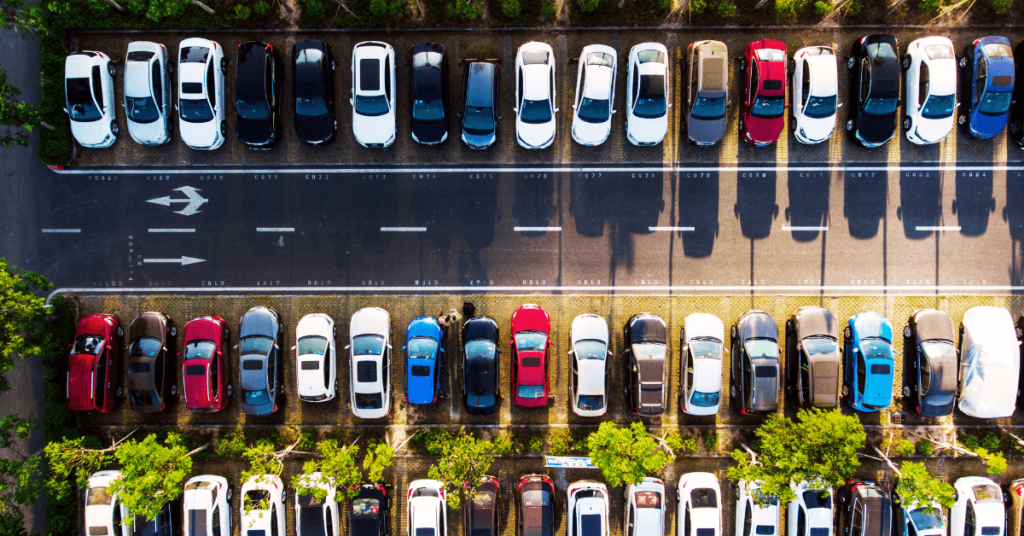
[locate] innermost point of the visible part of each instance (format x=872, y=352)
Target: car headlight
x=803, y=134
x=414, y=138
x=444, y=136
x=390, y=140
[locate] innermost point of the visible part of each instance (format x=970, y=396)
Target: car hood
x=375, y=130
x=648, y=130
x=370, y=321
x=707, y=375
x=480, y=327
x=817, y=129
x=258, y=322
x=147, y=326
x=589, y=328
x=590, y=133
x=535, y=135
x=532, y=375
x=316, y=130
x=704, y=325
x=147, y=133
x=91, y=133
x=934, y=130
x=531, y=319
x=200, y=134
x=758, y=325
x=988, y=125
x=814, y=322
x=196, y=385
x=424, y=326
x=764, y=130
x=255, y=132
x=314, y=324
x=433, y=132
x=875, y=129
x=705, y=130
x=80, y=380
x=93, y=325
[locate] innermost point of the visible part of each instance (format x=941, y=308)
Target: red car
x=531, y=337
x=764, y=92
x=205, y=364
x=94, y=364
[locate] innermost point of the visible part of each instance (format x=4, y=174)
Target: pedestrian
x=468, y=309
x=443, y=320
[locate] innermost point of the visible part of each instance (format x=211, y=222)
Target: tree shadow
x=808, y=203
x=920, y=202
x=755, y=203
x=698, y=208
x=865, y=194
x=974, y=201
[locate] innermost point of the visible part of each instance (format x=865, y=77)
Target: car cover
x=990, y=363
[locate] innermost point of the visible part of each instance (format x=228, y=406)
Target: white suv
x=535, y=95
x=316, y=517
x=700, y=505
x=104, y=513
x=206, y=508
x=370, y=363
x=201, y=67
x=757, y=519
x=427, y=513
x=810, y=514
x=147, y=93
x=262, y=508
x=373, y=94
x=645, y=508
x=930, y=91
x=89, y=92
x=588, y=509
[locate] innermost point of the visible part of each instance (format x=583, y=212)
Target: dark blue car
x=987, y=86
x=423, y=351
x=869, y=362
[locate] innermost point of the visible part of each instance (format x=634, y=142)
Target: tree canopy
x=152, y=473
x=21, y=311
x=626, y=455
x=72, y=461
x=462, y=458
x=336, y=467
x=20, y=482
x=917, y=486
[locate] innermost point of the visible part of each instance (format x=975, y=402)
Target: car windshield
x=590, y=402
x=311, y=344
x=820, y=346
x=926, y=520
x=531, y=391
x=365, y=507
x=938, y=106
x=81, y=105
x=99, y=496
x=141, y=109
x=479, y=399
x=255, y=398
x=535, y=111
x=703, y=348
x=820, y=107
x=478, y=120
x=88, y=344
x=880, y=106
x=766, y=348
x=195, y=110
x=995, y=102
x=591, y=349
x=421, y=348
x=768, y=107
x=704, y=400
x=651, y=102
x=252, y=110
x=199, y=350
x=531, y=341
x=875, y=349
x=427, y=110
x=594, y=110
x=649, y=350
x=368, y=345
x=708, y=108
x=314, y=106
x=480, y=348
x=536, y=498
x=255, y=344
x=369, y=401
x=372, y=106
x=704, y=498
x=144, y=347
x=987, y=493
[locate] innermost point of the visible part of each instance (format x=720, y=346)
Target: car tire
x=230, y=390
x=170, y=68
x=906, y=391
x=963, y=62
x=223, y=65
x=174, y=331
x=906, y=123
x=119, y=392
x=231, y=491
x=846, y=391
x=226, y=333
x=907, y=332
x=174, y=390
x=1015, y=127
x=956, y=496
x=114, y=129
x=849, y=125
x=732, y=391
x=1019, y=332
x=961, y=119
x=850, y=63
x=119, y=332
x=284, y=496
x=223, y=129
x=847, y=332
x=111, y=69
x=743, y=65
x=906, y=63
x=732, y=332
x=741, y=125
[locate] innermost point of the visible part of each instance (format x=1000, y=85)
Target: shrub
x=727, y=10
x=822, y=8
x=560, y=442
x=232, y=445
x=502, y=445
x=262, y=8
x=587, y=6
x=536, y=444
x=550, y=10
x=932, y=7
x=925, y=448
x=466, y=9
x=242, y=12
x=314, y=9
x=660, y=6
x=787, y=11
x=379, y=8
x=400, y=9
x=511, y=9
x=688, y=445
x=1001, y=6
x=903, y=447
x=698, y=6
x=711, y=442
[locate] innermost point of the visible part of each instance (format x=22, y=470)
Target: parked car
x=707, y=95
x=763, y=110
x=930, y=98
x=1016, y=121
x=427, y=511
x=149, y=336
x=201, y=68
x=535, y=95
x=810, y=514
x=206, y=507
x=930, y=357
x=1015, y=507
x=595, y=95
x=373, y=94
x=316, y=369
x=588, y=509
x=754, y=376
x=868, y=371
x=815, y=94
x=481, y=366
x=645, y=507
x=588, y=343
x=531, y=334
x=147, y=93
x=987, y=85
x=262, y=505
x=700, y=376
x=989, y=363
x=313, y=71
x=874, y=66
x=646, y=350
x=318, y=516
x=919, y=519
x=480, y=510
x=104, y=511
x=866, y=509
x=812, y=358
x=700, y=505
x=759, y=517
x=647, y=94
x=535, y=513
x=257, y=95
x=166, y=522
x=89, y=98
x=978, y=508
x=428, y=93
x=424, y=353
x=205, y=364
x=370, y=363
x=481, y=95
x=259, y=359
x=369, y=513
x=94, y=363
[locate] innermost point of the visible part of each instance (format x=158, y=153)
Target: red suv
x=764, y=92
x=531, y=338
x=205, y=364
x=94, y=364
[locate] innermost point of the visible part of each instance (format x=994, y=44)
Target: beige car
x=1013, y=516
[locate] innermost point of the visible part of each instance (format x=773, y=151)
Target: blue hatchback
x=423, y=350
x=987, y=78
x=869, y=362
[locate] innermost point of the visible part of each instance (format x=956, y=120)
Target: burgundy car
x=205, y=364
x=94, y=363
x=536, y=506
x=531, y=338
x=764, y=92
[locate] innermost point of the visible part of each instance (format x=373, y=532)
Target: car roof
x=824, y=75
x=137, y=78
x=533, y=75
x=714, y=66
x=481, y=77
x=591, y=376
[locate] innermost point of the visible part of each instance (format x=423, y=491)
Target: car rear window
x=990, y=531
x=139, y=367
x=193, y=88
x=366, y=371
x=1002, y=80
x=535, y=57
x=765, y=372
x=369, y=74
x=880, y=369
x=704, y=498
x=772, y=85
x=98, y=531
x=252, y=364
x=195, y=370
x=424, y=532
x=420, y=370
x=590, y=525
x=531, y=361
x=194, y=54
x=140, y=55
x=310, y=364
x=764, y=530
x=705, y=532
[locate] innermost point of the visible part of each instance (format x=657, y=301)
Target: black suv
x=480, y=97
x=875, y=74
x=313, y=87
x=428, y=93
x=865, y=509
x=257, y=95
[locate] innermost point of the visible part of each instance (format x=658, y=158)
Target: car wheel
x=849, y=125
x=743, y=65
x=114, y=128
x=906, y=63
x=1020, y=333
x=111, y=69
x=226, y=333
x=906, y=332
x=223, y=130
x=284, y=495
x=119, y=392
x=170, y=68
x=732, y=391
x=736, y=491
x=732, y=332
x=963, y=62
x=906, y=123
x=223, y=65
x=961, y=119
x=741, y=125
x=174, y=390
x=174, y=331
x=1015, y=127
x=956, y=496
x=847, y=332
x=119, y=331
x=230, y=391
x=906, y=390
x=850, y=63
x=231, y=491
x=789, y=326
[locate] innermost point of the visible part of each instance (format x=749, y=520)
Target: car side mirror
x=65, y=109
x=840, y=105
x=350, y=102
x=613, y=111
x=570, y=352
x=347, y=346
x=459, y=115
x=573, y=106
x=510, y=343
x=499, y=118
x=403, y=348
x=557, y=109
x=235, y=347
x=442, y=350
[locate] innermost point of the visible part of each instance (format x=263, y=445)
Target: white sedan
x=262, y=508
x=103, y=510
x=588, y=339
x=373, y=94
x=201, y=66
x=815, y=94
x=535, y=95
x=588, y=509
x=595, y=95
x=980, y=501
x=758, y=519
x=147, y=93
x=426, y=508
x=316, y=369
x=645, y=508
x=205, y=504
x=370, y=361
x=930, y=91
x=647, y=94
x=316, y=517
x=703, y=336
x=89, y=93
x=810, y=514
x=700, y=506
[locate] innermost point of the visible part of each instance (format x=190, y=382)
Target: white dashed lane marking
x=48, y=231
x=172, y=230
x=403, y=229
x=537, y=229
x=275, y=229
x=652, y=229
x=938, y=228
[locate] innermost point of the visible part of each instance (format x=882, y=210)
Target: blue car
x=986, y=69
x=423, y=350
x=869, y=362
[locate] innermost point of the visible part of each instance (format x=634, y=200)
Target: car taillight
x=269, y=48
x=854, y=488
x=238, y=46
x=380, y=489
x=1019, y=491
x=976, y=41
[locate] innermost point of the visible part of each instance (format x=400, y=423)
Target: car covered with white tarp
x=989, y=363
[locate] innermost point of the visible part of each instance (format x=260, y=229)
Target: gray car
x=812, y=358
x=260, y=363
x=754, y=377
x=481, y=94
x=708, y=92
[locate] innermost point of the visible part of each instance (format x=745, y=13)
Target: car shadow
x=865, y=195
x=974, y=201
x=920, y=203
x=755, y=203
x=808, y=203
x=534, y=204
x=698, y=208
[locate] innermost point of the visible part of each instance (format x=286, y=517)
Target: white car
x=588, y=509
x=89, y=93
x=317, y=517
x=703, y=337
x=205, y=506
x=315, y=363
x=980, y=502
x=104, y=513
x=588, y=342
x=201, y=66
x=647, y=94
x=535, y=95
x=921, y=519
x=595, y=95
x=645, y=508
x=370, y=362
x=427, y=510
x=700, y=507
x=147, y=93
x=373, y=94
x=754, y=519
x=810, y=514
x=815, y=94
x=989, y=363
x=262, y=508
x=930, y=92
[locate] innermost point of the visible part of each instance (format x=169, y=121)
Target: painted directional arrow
x=193, y=199
x=183, y=260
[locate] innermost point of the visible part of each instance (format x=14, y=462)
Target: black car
x=865, y=509
x=1016, y=122
x=929, y=349
x=754, y=376
x=257, y=95
x=428, y=93
x=480, y=365
x=480, y=509
x=368, y=514
x=481, y=82
x=875, y=75
x=813, y=358
x=646, y=351
x=164, y=524
x=260, y=370
x=536, y=506
x=313, y=86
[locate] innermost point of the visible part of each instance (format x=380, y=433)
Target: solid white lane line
x=403, y=229
x=652, y=229
x=62, y=230
x=536, y=229
x=804, y=228
x=172, y=230
x=275, y=229
x=937, y=228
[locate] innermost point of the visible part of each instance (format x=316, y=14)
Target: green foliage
x=917, y=487
x=263, y=460
x=399, y=9
x=379, y=456
x=152, y=473
x=988, y=440
x=463, y=458
x=511, y=9
x=674, y=441
x=313, y=9
x=466, y=9
x=903, y=447
x=588, y=6
x=165, y=9
x=820, y=448
x=728, y=11
x=711, y=442
x=379, y=8
x=1001, y=7
x=20, y=479
x=72, y=459
x=18, y=117
x=536, y=444
x=788, y=11
x=932, y=7
x=242, y=12
x=687, y=445
x=20, y=16
x=232, y=445
x=502, y=445
x=660, y=6
x=262, y=8
x=822, y=8
x=336, y=467
x=21, y=310
x=698, y=6
x=549, y=9
x=559, y=442
x=626, y=455
x=995, y=462
x=925, y=448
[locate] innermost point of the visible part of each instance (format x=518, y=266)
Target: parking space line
x=403, y=229
x=275, y=229
x=937, y=228
x=172, y=230
x=804, y=228
x=536, y=229
x=62, y=230
x=684, y=229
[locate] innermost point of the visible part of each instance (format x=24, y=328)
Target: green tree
x=336, y=467
x=242, y=12
x=379, y=456
x=21, y=16
x=152, y=473
x=466, y=9
x=20, y=482
x=917, y=487
x=21, y=311
x=511, y=9
x=821, y=447
x=72, y=461
x=587, y=6
x=462, y=458
x=379, y=8
x=626, y=455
